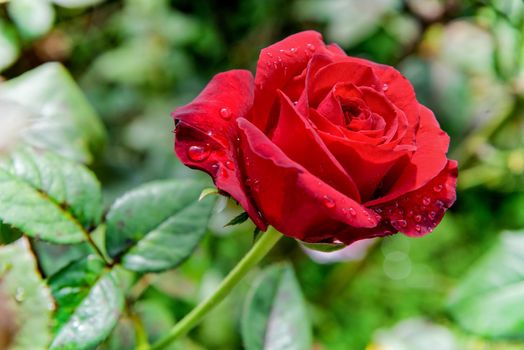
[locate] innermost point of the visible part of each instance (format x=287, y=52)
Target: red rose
x=322, y=146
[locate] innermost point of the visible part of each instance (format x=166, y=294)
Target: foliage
x=106, y=240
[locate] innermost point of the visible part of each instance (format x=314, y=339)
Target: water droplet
x=310, y=47
x=401, y=223
x=385, y=87
x=352, y=211
x=432, y=215
x=223, y=173
x=437, y=188
x=20, y=294
x=225, y=113
x=269, y=54
x=418, y=218
x=198, y=153
x=439, y=204
x=230, y=165
x=418, y=228
x=292, y=50
x=426, y=201
x=328, y=201
x=370, y=219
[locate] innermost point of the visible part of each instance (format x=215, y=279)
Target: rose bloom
x=322, y=146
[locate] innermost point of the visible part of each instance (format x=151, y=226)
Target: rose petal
x=366, y=163
x=419, y=212
x=426, y=163
x=296, y=202
x=278, y=64
x=293, y=134
x=345, y=71
x=206, y=133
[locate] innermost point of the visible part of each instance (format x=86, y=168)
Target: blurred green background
x=136, y=60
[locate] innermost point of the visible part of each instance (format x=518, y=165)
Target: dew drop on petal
x=437, y=188
x=230, y=165
x=401, y=223
x=418, y=218
x=352, y=211
x=328, y=202
x=198, y=153
x=225, y=113
x=418, y=228
x=385, y=87
x=432, y=215
x=426, y=201
x=310, y=47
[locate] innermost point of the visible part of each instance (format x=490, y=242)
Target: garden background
x=134, y=61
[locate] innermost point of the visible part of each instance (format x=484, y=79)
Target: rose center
x=351, y=111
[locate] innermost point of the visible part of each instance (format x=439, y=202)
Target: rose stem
x=266, y=241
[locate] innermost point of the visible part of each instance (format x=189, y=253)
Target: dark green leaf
x=275, y=314
x=48, y=196
x=27, y=299
x=487, y=301
x=157, y=226
x=8, y=233
x=240, y=218
x=50, y=112
x=89, y=302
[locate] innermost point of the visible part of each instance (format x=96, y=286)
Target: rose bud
x=322, y=146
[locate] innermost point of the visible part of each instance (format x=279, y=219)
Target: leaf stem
x=253, y=257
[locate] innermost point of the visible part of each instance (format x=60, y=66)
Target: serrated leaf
x=487, y=301
x=50, y=112
x=275, y=314
x=158, y=225
x=239, y=219
x=48, y=197
x=89, y=302
x=27, y=299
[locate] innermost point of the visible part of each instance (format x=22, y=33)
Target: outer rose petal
x=419, y=212
x=426, y=163
x=294, y=201
x=209, y=122
x=280, y=63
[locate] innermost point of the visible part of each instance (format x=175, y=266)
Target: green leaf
x=49, y=111
x=240, y=218
x=89, y=301
x=488, y=300
x=33, y=18
x=26, y=297
x=8, y=233
x=324, y=247
x=158, y=225
x=275, y=314
x=9, y=46
x=48, y=197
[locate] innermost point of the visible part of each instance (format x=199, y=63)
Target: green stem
x=253, y=257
